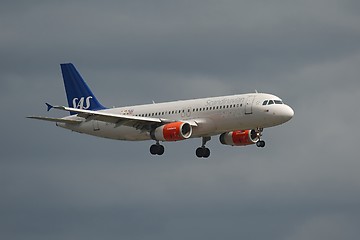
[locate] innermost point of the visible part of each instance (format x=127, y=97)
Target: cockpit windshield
x=270, y=102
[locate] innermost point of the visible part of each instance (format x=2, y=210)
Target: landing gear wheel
x=157, y=149
x=206, y=153
x=154, y=149
x=199, y=152
x=202, y=152
x=161, y=150
x=260, y=143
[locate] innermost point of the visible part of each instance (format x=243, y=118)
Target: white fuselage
x=212, y=116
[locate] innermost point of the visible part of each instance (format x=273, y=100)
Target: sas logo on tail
x=79, y=103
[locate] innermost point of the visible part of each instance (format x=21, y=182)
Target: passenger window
x=265, y=102
x=271, y=102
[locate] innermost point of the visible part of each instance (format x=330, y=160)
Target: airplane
x=239, y=120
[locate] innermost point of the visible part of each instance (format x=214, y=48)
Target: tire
x=161, y=150
x=153, y=149
x=199, y=152
x=206, y=153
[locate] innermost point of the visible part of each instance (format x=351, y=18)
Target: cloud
x=58, y=184
x=327, y=227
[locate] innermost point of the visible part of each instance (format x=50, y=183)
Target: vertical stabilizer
x=78, y=93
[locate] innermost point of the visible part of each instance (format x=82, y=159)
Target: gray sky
x=305, y=184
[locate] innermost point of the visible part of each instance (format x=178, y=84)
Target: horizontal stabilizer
x=49, y=106
x=59, y=120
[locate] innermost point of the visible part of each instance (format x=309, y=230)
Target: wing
x=142, y=123
x=58, y=120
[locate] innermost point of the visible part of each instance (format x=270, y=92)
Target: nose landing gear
x=260, y=143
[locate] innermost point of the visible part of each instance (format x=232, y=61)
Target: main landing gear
x=157, y=149
x=260, y=143
x=203, y=151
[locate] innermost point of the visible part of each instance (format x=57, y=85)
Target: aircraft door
x=183, y=112
x=188, y=112
x=248, y=105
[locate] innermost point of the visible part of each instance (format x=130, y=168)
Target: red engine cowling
x=172, y=132
x=239, y=137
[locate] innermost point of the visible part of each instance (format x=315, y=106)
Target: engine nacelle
x=172, y=132
x=239, y=137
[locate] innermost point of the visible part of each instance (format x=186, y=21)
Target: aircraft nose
x=287, y=113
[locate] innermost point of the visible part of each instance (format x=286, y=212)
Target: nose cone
x=287, y=113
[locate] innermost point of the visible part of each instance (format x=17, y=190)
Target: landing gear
x=203, y=151
x=260, y=143
x=157, y=149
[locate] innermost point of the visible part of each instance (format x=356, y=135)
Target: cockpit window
x=271, y=102
x=278, y=102
x=265, y=102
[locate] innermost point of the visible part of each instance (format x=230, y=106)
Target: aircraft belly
x=107, y=130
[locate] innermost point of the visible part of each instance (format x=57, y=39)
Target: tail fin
x=78, y=93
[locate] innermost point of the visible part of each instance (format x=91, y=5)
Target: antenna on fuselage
x=256, y=91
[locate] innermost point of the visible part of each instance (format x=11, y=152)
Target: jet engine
x=172, y=132
x=239, y=137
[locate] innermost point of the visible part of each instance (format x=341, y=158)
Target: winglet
x=49, y=106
